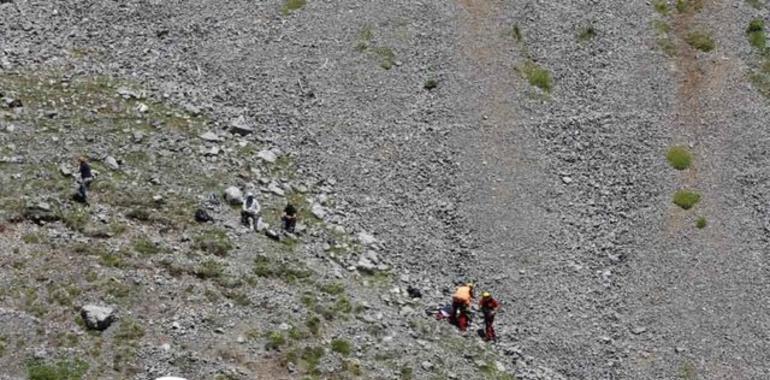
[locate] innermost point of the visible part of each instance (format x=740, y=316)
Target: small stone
x=233, y=195
x=366, y=238
x=43, y=206
x=210, y=136
x=97, y=317
x=142, y=108
x=267, y=155
x=127, y=93
x=426, y=365
x=318, y=211
x=213, y=151
x=275, y=189
x=65, y=170
x=566, y=180
x=111, y=163
x=137, y=137
x=638, y=330
x=241, y=126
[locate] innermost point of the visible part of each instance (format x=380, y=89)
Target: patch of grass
x=32, y=238
x=311, y=356
x=430, y=84
x=215, y=242
x=147, y=247
x=537, y=76
x=60, y=370
x=292, y=5
x=333, y=288
x=139, y=214
x=129, y=330
x=688, y=371
x=686, y=199
x=264, y=267
x=407, y=373
x=761, y=81
x=757, y=4
x=3, y=344
x=364, y=38
x=679, y=157
x=386, y=56
x=111, y=259
x=664, y=40
x=275, y=340
x=586, y=33
x=756, y=34
x=209, y=269
x=701, y=223
x=75, y=219
x=313, y=324
x=700, y=40
x=684, y=6
x=516, y=33
x=342, y=347
x=660, y=6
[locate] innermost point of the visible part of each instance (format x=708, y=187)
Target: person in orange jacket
x=461, y=304
x=489, y=307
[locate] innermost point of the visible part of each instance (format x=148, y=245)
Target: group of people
x=462, y=302
x=250, y=214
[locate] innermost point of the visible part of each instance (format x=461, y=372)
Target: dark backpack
x=201, y=216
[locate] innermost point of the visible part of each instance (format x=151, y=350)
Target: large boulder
x=97, y=317
x=233, y=195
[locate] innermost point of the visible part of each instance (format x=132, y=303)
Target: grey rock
x=111, y=163
x=366, y=238
x=241, y=126
x=318, y=211
x=275, y=189
x=97, y=317
x=426, y=365
x=233, y=195
x=267, y=155
x=128, y=93
x=210, y=136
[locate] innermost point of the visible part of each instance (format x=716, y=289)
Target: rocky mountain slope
x=519, y=144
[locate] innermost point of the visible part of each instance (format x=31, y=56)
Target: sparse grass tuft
x=757, y=4
x=683, y=6
x=364, y=38
x=686, y=199
x=701, y=223
x=430, y=84
x=275, y=340
x=61, y=370
x=387, y=57
x=334, y=288
x=537, y=76
x=213, y=241
x=660, y=6
x=701, y=40
x=679, y=158
x=146, y=247
x=292, y=5
x=313, y=324
x=586, y=33
x=756, y=34
x=209, y=269
x=516, y=33
x=264, y=267
x=342, y=347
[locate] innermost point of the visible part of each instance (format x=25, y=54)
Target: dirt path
x=695, y=288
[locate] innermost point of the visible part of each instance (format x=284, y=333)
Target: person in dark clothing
x=86, y=177
x=489, y=306
x=289, y=218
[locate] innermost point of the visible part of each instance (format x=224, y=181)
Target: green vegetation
x=687, y=371
x=129, y=330
x=407, y=373
x=364, y=38
x=683, y=6
x=679, y=157
x=264, y=267
x=311, y=356
x=700, y=40
x=209, y=269
x=146, y=247
x=75, y=219
x=334, y=288
x=761, y=79
x=3, y=344
x=292, y=5
x=386, y=56
x=756, y=34
x=342, y=347
x=313, y=325
x=660, y=6
x=32, y=238
x=213, y=241
x=430, y=84
x=275, y=340
x=586, y=33
x=701, y=223
x=516, y=33
x=756, y=3
x=537, y=76
x=60, y=370
x=686, y=199
x=664, y=39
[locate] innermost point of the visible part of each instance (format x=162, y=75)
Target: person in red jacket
x=489, y=307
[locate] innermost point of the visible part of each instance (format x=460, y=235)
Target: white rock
x=233, y=195
x=267, y=155
x=241, y=126
x=210, y=136
x=366, y=238
x=566, y=180
x=97, y=317
x=275, y=189
x=111, y=163
x=142, y=108
x=318, y=211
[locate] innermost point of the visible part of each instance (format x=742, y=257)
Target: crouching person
x=250, y=212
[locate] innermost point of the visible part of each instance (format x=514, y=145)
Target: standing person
x=461, y=304
x=250, y=211
x=86, y=177
x=489, y=307
x=289, y=218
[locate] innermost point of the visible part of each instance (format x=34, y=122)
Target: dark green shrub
x=686, y=199
x=341, y=347
x=679, y=157
x=701, y=40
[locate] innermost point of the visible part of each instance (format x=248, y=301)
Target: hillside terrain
x=601, y=168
